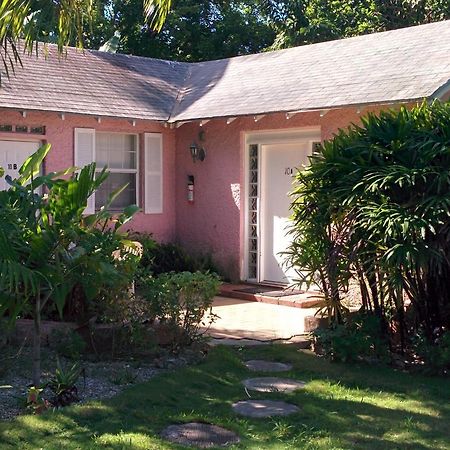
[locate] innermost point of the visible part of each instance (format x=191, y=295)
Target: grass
x=343, y=407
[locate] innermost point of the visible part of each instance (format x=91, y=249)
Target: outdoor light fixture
x=197, y=153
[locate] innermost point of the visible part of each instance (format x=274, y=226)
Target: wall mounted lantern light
x=197, y=153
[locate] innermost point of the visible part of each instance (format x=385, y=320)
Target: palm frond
x=156, y=11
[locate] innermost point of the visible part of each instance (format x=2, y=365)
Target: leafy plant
x=35, y=402
x=358, y=338
x=68, y=343
x=62, y=384
x=373, y=207
x=435, y=354
x=158, y=258
x=44, y=241
x=183, y=301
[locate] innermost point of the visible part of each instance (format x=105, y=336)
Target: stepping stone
x=258, y=365
x=199, y=435
x=264, y=408
x=273, y=384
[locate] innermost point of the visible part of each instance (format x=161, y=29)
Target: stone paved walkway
x=203, y=435
x=258, y=365
x=255, y=322
x=264, y=408
x=199, y=435
x=273, y=384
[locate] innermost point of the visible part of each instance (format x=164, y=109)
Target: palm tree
x=20, y=25
x=46, y=241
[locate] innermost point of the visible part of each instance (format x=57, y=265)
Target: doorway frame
x=25, y=138
x=311, y=135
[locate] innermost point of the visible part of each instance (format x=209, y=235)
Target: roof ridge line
x=181, y=92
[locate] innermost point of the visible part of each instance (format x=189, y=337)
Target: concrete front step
x=307, y=299
x=239, y=320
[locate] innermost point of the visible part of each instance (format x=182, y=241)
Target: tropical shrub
x=435, y=354
x=182, y=301
x=44, y=241
x=62, y=384
x=359, y=337
x=158, y=258
x=374, y=207
x=67, y=343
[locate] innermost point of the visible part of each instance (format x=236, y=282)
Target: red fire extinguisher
x=190, y=189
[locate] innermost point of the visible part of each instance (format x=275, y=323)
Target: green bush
x=435, y=354
x=63, y=384
x=67, y=343
x=373, y=209
x=158, y=258
x=104, y=278
x=360, y=337
x=134, y=338
x=182, y=300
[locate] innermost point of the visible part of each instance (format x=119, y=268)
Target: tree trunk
x=37, y=343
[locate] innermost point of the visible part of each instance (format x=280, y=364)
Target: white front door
x=12, y=155
x=279, y=163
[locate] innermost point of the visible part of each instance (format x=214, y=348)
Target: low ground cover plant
x=373, y=208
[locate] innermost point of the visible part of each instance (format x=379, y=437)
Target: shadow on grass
x=342, y=407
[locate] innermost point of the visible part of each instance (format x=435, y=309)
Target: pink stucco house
x=254, y=118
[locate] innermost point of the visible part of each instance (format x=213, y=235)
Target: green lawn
x=343, y=407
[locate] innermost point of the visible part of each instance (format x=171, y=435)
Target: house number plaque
x=289, y=171
x=12, y=166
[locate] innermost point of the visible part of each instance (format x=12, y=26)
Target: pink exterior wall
x=60, y=133
x=215, y=221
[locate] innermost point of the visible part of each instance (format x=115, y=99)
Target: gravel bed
x=98, y=380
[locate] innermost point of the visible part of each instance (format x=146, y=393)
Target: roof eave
x=385, y=102
x=77, y=113
x=441, y=92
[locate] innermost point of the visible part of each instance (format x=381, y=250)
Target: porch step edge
x=304, y=300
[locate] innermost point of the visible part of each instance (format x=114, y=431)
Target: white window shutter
x=153, y=192
x=84, y=155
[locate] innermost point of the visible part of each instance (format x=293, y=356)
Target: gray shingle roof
x=95, y=83
x=406, y=64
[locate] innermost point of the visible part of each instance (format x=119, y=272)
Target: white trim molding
x=311, y=135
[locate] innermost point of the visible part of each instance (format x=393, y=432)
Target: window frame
x=135, y=171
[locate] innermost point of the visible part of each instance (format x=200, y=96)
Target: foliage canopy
x=47, y=245
x=374, y=207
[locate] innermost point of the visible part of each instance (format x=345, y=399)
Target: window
x=119, y=153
